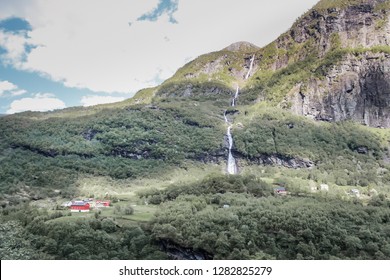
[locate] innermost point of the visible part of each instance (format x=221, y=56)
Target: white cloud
x=90, y=44
x=6, y=86
x=40, y=102
x=18, y=92
x=92, y=100
x=15, y=47
x=44, y=95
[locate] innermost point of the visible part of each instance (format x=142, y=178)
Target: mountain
x=332, y=65
x=301, y=123
x=294, y=96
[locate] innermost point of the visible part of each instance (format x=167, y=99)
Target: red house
x=79, y=206
x=102, y=203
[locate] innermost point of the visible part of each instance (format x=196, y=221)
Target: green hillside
x=311, y=118
x=137, y=141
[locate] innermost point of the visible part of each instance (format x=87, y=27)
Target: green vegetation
x=349, y=153
x=325, y=5
x=37, y=234
x=198, y=91
x=275, y=228
x=384, y=6
x=212, y=184
x=222, y=67
x=226, y=217
x=39, y=155
x=329, y=4
x=275, y=131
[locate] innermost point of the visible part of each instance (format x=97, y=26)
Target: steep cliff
x=333, y=64
x=357, y=88
x=361, y=24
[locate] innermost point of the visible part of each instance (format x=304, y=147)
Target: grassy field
x=142, y=213
x=100, y=187
x=123, y=193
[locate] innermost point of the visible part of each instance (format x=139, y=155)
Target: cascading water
x=231, y=164
x=250, y=68
x=235, y=97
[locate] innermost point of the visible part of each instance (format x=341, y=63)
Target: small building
x=313, y=186
x=280, y=191
x=79, y=206
x=324, y=187
x=67, y=204
x=355, y=192
x=102, y=203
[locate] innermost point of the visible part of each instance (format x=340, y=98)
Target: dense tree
x=281, y=228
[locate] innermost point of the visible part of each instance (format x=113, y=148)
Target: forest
x=229, y=217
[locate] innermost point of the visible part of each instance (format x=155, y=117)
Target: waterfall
x=231, y=166
x=235, y=97
x=250, y=67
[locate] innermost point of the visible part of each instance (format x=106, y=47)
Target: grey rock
x=357, y=89
x=281, y=160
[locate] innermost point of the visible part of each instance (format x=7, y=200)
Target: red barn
x=79, y=206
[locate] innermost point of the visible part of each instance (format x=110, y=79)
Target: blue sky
x=164, y=6
x=62, y=53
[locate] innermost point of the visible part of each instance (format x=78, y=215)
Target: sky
x=62, y=53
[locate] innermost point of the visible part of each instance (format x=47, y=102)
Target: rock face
x=358, y=25
x=280, y=160
x=177, y=252
x=356, y=87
